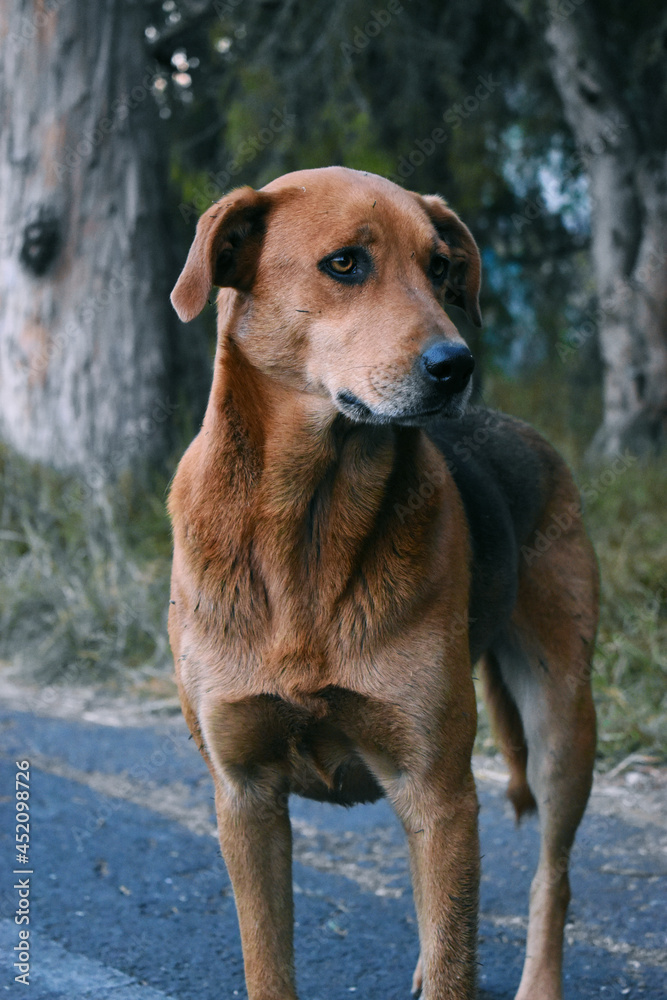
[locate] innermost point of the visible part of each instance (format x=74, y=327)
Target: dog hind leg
x=544, y=664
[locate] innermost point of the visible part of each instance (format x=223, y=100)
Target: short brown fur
x=319, y=617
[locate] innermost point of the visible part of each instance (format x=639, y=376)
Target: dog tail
x=508, y=730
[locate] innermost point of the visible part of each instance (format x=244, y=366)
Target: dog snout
x=448, y=365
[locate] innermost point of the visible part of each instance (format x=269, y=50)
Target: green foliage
x=367, y=85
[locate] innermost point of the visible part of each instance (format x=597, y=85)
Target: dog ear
x=465, y=271
x=224, y=252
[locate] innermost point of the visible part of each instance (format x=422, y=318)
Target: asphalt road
x=129, y=898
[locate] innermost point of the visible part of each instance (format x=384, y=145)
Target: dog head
x=335, y=282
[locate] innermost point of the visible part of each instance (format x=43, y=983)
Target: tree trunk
x=85, y=322
x=629, y=246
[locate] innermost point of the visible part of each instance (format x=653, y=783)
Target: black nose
x=451, y=365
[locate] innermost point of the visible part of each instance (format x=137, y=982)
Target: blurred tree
x=421, y=93
x=87, y=365
x=459, y=98
x=463, y=98
x=609, y=63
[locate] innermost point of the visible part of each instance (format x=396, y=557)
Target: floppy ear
x=225, y=250
x=465, y=270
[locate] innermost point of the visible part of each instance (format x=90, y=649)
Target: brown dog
x=344, y=548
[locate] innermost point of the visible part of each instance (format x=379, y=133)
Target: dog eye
x=349, y=266
x=439, y=269
x=342, y=263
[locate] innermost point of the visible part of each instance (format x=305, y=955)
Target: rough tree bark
x=85, y=322
x=628, y=189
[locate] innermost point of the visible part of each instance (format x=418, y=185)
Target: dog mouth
x=354, y=408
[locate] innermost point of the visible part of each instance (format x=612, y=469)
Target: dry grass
x=84, y=579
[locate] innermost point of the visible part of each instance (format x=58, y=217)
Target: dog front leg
x=444, y=855
x=422, y=759
x=256, y=842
